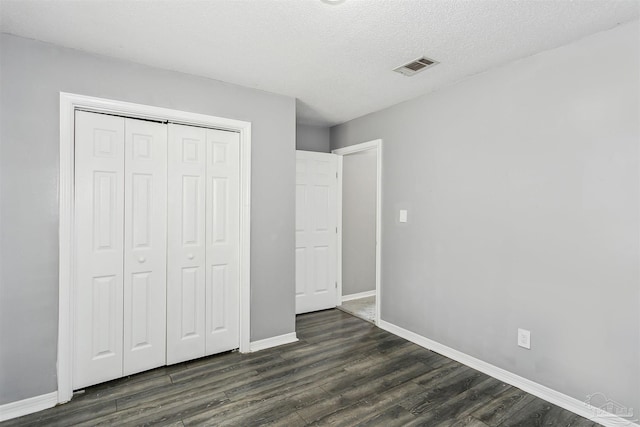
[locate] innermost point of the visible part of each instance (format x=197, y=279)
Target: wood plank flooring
x=343, y=372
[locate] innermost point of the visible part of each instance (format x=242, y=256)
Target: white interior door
x=186, y=262
x=223, y=240
x=99, y=201
x=145, y=236
x=316, y=232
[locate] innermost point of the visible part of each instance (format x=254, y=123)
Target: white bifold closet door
x=145, y=245
x=120, y=284
x=203, y=242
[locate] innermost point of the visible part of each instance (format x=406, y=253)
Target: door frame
x=376, y=144
x=69, y=103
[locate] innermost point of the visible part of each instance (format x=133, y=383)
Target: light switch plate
x=524, y=338
x=403, y=215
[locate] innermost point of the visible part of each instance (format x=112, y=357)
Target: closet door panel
x=223, y=217
x=145, y=249
x=186, y=262
x=99, y=211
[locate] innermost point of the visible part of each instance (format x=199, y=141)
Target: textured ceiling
x=335, y=58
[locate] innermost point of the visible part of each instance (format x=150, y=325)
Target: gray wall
x=312, y=138
x=32, y=75
x=522, y=191
x=359, y=222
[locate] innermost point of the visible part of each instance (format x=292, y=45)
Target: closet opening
x=113, y=186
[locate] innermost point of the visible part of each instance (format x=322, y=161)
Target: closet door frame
x=69, y=103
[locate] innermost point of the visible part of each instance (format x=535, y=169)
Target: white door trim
x=376, y=144
x=68, y=104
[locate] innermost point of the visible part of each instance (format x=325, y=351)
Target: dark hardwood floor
x=343, y=371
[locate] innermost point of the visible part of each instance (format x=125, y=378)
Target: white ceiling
x=335, y=58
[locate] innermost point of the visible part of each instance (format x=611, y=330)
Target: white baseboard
x=28, y=406
x=552, y=396
x=273, y=342
x=359, y=295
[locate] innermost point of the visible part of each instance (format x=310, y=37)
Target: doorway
x=359, y=235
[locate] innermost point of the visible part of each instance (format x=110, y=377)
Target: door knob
x=141, y=259
x=190, y=256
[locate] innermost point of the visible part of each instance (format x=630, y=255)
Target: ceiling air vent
x=416, y=66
